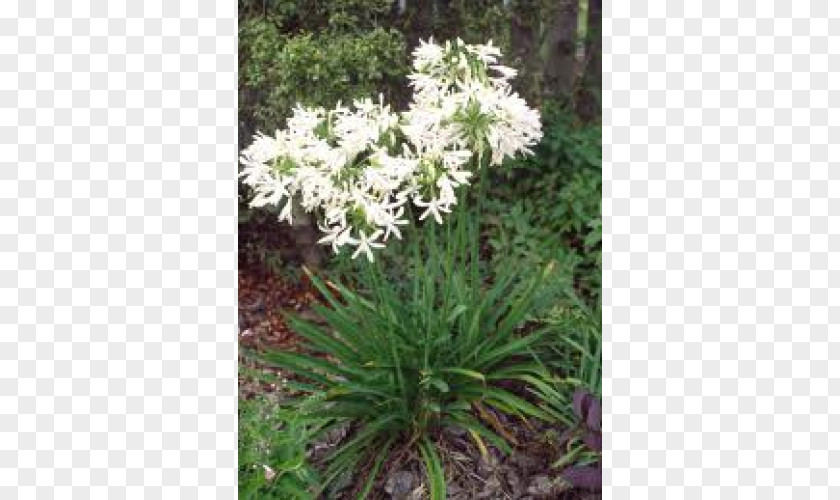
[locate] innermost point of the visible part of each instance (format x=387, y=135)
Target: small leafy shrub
x=578, y=204
x=572, y=396
x=577, y=216
x=572, y=351
x=313, y=14
x=567, y=145
x=272, y=453
x=510, y=230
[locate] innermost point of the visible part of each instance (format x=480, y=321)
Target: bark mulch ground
x=264, y=299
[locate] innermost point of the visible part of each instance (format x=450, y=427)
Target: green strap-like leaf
x=374, y=471
x=434, y=470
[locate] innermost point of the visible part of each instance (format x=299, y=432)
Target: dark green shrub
x=279, y=70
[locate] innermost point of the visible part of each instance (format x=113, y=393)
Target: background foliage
x=272, y=453
x=548, y=206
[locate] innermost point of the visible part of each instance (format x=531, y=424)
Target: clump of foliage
x=272, y=452
x=571, y=356
x=407, y=361
x=570, y=389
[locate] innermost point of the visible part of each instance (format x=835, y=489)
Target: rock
x=492, y=488
x=419, y=493
x=455, y=492
x=256, y=306
x=487, y=465
x=321, y=448
x=401, y=484
x=527, y=463
x=342, y=482
x=545, y=487
x=514, y=482
x=311, y=316
x=459, y=457
x=455, y=431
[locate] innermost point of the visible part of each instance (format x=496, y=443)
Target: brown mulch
x=264, y=299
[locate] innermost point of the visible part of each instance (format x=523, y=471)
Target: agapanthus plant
x=408, y=357
x=359, y=168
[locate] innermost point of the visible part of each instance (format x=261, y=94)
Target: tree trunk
x=524, y=38
x=588, y=103
x=593, y=49
x=561, y=37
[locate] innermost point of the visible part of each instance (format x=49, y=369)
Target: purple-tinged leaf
x=581, y=400
x=593, y=440
x=567, y=435
x=593, y=418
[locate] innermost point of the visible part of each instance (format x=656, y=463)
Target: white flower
x=488, y=52
x=456, y=158
x=427, y=54
x=337, y=236
x=459, y=106
x=365, y=243
x=304, y=121
x=358, y=129
x=507, y=73
x=286, y=213
x=268, y=197
x=392, y=223
x=434, y=207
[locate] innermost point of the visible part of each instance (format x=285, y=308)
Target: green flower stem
x=475, y=236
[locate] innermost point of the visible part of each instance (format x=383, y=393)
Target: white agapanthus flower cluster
x=462, y=93
x=358, y=167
